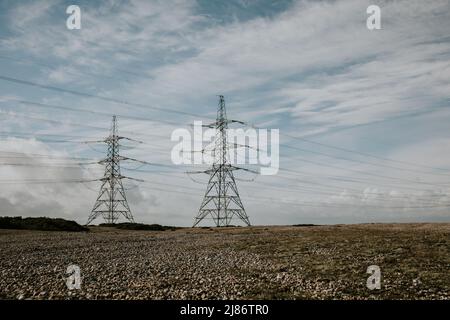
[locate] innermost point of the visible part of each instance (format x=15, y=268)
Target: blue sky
x=308, y=68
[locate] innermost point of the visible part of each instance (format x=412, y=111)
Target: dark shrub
x=41, y=223
x=137, y=226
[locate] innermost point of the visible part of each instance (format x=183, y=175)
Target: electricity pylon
x=222, y=201
x=112, y=202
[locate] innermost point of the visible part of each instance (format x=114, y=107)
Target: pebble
x=195, y=265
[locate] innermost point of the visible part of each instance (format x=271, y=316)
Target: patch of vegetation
x=138, y=226
x=41, y=223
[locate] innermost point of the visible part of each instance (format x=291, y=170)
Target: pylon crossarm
x=236, y=121
x=135, y=160
x=237, y=145
x=196, y=172
x=129, y=178
x=108, y=161
x=245, y=169
x=129, y=139
x=211, y=125
x=94, y=141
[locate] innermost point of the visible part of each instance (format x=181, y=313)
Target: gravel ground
x=320, y=262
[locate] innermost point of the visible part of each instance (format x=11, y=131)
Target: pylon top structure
x=112, y=202
x=221, y=201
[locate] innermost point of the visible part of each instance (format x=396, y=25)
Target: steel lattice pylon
x=222, y=201
x=111, y=201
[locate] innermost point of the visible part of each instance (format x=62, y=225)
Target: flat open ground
x=320, y=262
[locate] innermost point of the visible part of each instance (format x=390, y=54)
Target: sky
x=363, y=114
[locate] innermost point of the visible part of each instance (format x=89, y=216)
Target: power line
x=73, y=124
x=54, y=166
x=35, y=134
x=107, y=114
x=369, y=173
x=357, y=195
x=298, y=173
x=351, y=151
x=27, y=154
x=99, y=128
x=24, y=82
x=284, y=145
x=332, y=205
x=89, y=95
x=329, y=204
x=366, y=173
x=45, y=181
x=364, y=153
x=360, y=161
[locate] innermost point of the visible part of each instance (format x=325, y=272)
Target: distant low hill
x=138, y=226
x=41, y=223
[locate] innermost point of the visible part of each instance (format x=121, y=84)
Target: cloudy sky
x=363, y=115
